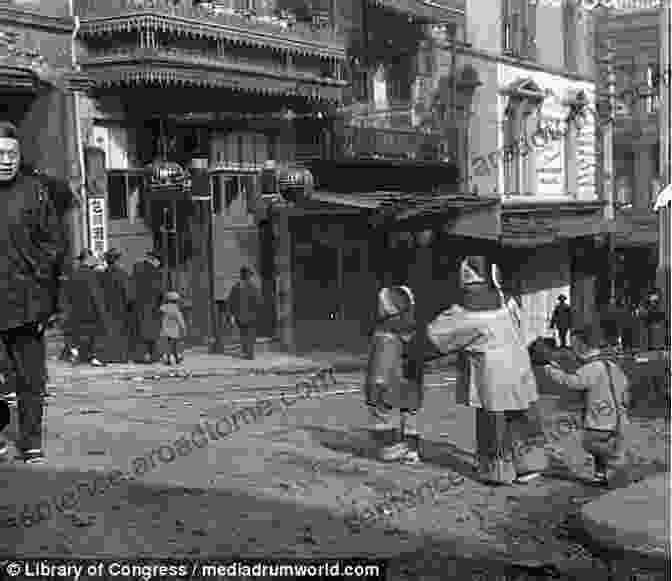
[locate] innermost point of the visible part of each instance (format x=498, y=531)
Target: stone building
x=535, y=140
x=633, y=34
x=358, y=92
x=37, y=88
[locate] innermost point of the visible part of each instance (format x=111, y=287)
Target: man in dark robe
x=244, y=305
x=89, y=320
x=33, y=247
x=115, y=284
x=147, y=283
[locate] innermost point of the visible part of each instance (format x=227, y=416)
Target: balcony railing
x=214, y=13
x=635, y=5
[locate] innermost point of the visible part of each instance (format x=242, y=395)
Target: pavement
x=290, y=484
x=635, y=519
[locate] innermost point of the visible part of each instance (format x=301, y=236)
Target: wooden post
x=284, y=295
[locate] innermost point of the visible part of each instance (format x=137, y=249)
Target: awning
x=549, y=223
x=467, y=216
x=437, y=11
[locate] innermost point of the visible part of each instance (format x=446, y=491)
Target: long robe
x=115, y=283
x=147, y=283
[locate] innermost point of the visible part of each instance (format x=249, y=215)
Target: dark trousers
x=174, y=348
x=87, y=345
x=26, y=350
x=248, y=337
x=562, y=333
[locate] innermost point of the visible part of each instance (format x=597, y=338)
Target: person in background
x=494, y=375
x=605, y=402
x=655, y=322
x=115, y=284
x=244, y=306
x=173, y=327
x=389, y=387
x=34, y=250
x=147, y=284
x=561, y=319
x=89, y=319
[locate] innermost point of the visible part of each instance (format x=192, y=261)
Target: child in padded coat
x=605, y=402
x=173, y=327
x=390, y=387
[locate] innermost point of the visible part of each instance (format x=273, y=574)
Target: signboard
x=98, y=226
x=586, y=160
x=551, y=169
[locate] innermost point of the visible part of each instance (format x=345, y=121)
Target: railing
x=388, y=143
x=210, y=13
x=635, y=5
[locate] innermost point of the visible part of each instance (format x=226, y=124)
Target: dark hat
x=245, y=271
x=84, y=255
x=8, y=130
x=112, y=253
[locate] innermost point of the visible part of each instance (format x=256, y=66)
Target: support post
x=284, y=295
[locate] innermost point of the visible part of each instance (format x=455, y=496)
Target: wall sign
x=551, y=169
x=98, y=241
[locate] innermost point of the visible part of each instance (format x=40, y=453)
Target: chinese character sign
x=97, y=226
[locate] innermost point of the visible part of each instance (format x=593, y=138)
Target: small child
x=390, y=390
x=173, y=327
x=606, y=401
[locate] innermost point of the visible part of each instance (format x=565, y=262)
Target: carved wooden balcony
x=208, y=20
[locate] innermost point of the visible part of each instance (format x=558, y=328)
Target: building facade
x=362, y=93
x=633, y=34
x=37, y=88
x=536, y=142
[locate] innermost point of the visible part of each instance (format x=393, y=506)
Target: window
x=124, y=191
x=652, y=88
x=520, y=24
x=570, y=15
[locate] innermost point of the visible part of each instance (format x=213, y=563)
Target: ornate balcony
x=209, y=21
x=159, y=43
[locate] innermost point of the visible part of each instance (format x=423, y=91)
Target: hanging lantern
x=167, y=174
x=295, y=183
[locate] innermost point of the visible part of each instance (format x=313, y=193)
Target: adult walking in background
x=65, y=309
x=33, y=248
x=655, y=322
x=89, y=320
x=147, y=284
x=115, y=284
x=244, y=305
x=561, y=319
x=495, y=375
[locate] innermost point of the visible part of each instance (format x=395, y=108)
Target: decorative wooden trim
x=92, y=27
x=15, y=16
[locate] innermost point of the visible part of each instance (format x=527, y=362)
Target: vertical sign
x=98, y=226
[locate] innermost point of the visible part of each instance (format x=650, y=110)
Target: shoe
x=97, y=362
x=34, y=456
x=394, y=452
x=411, y=458
x=527, y=478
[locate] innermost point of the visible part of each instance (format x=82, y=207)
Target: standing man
x=562, y=320
x=89, y=318
x=147, y=283
x=115, y=291
x=244, y=306
x=33, y=248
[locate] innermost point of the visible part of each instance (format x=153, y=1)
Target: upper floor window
x=570, y=18
x=652, y=88
x=520, y=28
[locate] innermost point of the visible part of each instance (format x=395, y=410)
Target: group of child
x=392, y=389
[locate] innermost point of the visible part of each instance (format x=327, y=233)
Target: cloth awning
x=438, y=11
x=458, y=215
x=547, y=224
